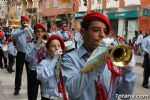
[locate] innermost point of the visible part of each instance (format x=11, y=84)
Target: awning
x=125, y=14
x=81, y=14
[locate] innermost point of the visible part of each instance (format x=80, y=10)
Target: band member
x=11, y=54
x=22, y=37
x=64, y=33
x=2, y=35
x=96, y=84
x=46, y=70
x=34, y=56
x=146, y=62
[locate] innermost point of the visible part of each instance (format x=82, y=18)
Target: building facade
x=125, y=16
x=3, y=12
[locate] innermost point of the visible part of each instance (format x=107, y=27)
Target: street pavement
x=7, y=84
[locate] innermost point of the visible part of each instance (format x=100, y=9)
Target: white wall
x=121, y=27
x=96, y=5
x=132, y=26
x=3, y=10
x=82, y=8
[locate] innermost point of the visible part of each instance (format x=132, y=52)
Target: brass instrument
x=120, y=56
x=44, y=38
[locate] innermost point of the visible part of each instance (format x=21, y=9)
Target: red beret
x=120, y=38
x=39, y=25
x=2, y=35
x=52, y=37
x=97, y=15
x=10, y=39
x=25, y=18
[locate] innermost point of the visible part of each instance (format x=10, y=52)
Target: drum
x=70, y=45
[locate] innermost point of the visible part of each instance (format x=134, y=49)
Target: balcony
x=132, y=2
x=96, y=5
x=31, y=10
x=83, y=6
x=65, y=5
x=112, y=4
x=39, y=10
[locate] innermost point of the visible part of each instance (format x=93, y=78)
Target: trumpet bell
x=121, y=55
x=45, y=37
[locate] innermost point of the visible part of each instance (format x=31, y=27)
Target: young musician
x=22, y=37
x=2, y=56
x=36, y=52
x=96, y=84
x=11, y=54
x=47, y=71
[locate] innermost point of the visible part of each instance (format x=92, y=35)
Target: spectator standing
x=146, y=62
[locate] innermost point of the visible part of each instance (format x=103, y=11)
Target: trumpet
x=44, y=38
x=120, y=56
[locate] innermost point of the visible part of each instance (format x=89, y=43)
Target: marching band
x=90, y=65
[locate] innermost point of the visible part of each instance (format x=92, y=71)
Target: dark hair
x=140, y=32
x=47, y=44
x=86, y=24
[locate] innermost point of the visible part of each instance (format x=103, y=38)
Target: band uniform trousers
x=33, y=85
x=20, y=60
x=11, y=62
x=2, y=57
x=146, y=72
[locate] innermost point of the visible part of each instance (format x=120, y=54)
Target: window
x=80, y=3
x=92, y=1
x=85, y=2
x=99, y=1
x=47, y=4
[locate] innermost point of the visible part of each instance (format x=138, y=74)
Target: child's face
x=39, y=32
x=53, y=46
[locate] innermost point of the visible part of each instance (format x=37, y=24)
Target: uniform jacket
x=81, y=86
x=45, y=73
x=22, y=39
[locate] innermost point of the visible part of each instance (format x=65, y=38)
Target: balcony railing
x=112, y=4
x=132, y=2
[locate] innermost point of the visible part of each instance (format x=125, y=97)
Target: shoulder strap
x=114, y=72
x=63, y=88
x=58, y=73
